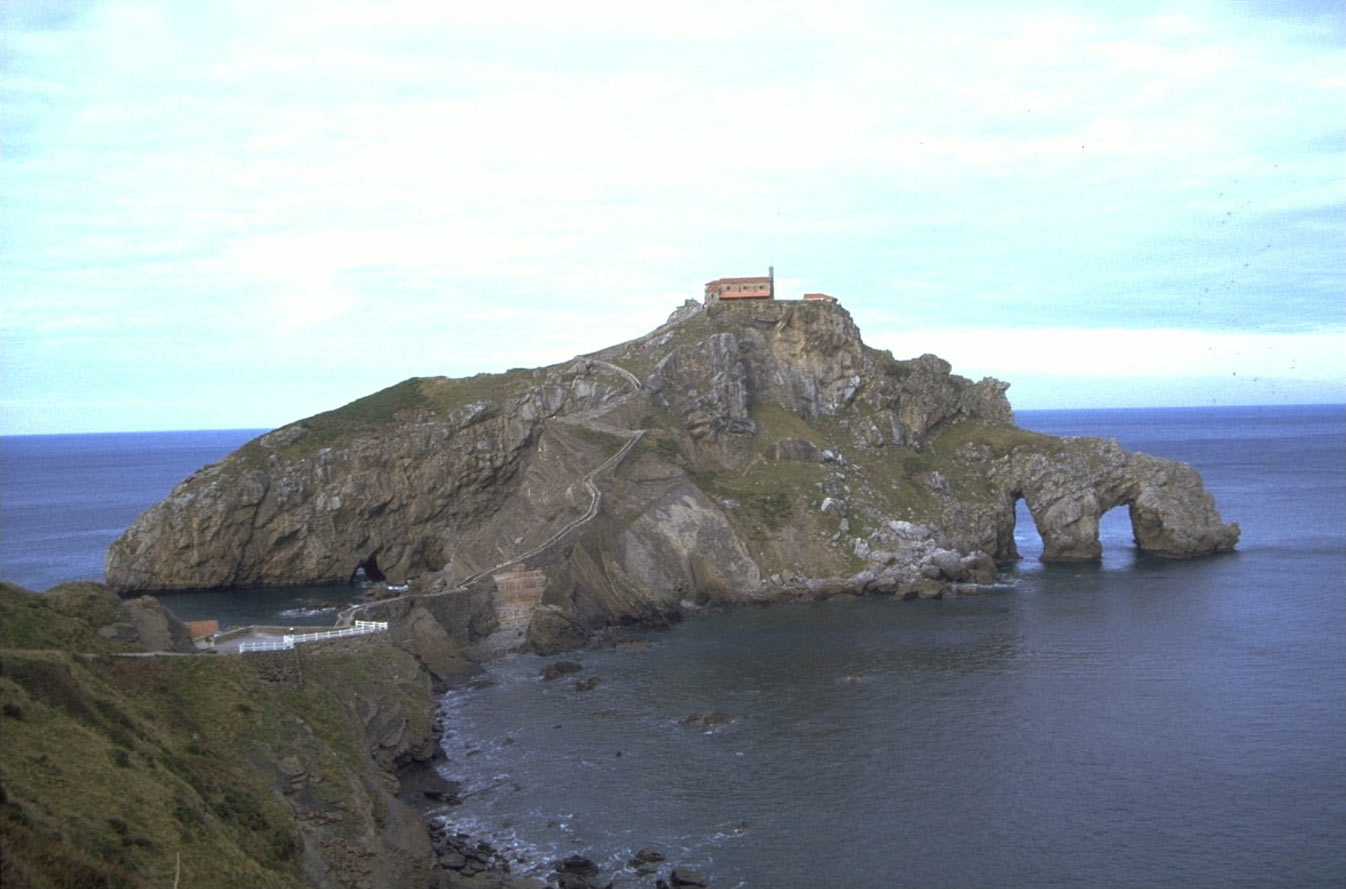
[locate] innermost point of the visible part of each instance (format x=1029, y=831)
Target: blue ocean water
x=1140, y=722
x=65, y=498
x=1134, y=723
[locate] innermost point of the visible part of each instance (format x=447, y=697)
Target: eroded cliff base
x=739, y=453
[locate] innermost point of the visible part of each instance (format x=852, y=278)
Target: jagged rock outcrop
x=1068, y=490
x=739, y=452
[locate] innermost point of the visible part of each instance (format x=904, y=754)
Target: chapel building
x=742, y=288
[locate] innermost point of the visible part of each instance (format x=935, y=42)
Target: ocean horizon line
x=1119, y=409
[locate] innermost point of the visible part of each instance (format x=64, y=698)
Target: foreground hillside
x=741, y=452
x=191, y=770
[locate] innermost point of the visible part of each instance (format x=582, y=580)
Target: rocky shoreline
x=463, y=859
x=735, y=455
x=902, y=563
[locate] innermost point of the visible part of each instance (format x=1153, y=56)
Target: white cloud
x=244, y=173
x=1124, y=353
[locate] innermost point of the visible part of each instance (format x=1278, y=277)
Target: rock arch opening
x=1116, y=533
x=368, y=570
x=1078, y=529
x=1023, y=541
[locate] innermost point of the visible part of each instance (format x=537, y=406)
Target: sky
x=235, y=214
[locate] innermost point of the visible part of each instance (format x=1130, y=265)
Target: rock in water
x=732, y=444
x=683, y=877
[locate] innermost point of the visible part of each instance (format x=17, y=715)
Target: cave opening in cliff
x=368, y=570
x=1026, y=541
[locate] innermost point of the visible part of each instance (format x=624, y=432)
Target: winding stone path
x=630, y=377
x=589, y=514
x=595, y=495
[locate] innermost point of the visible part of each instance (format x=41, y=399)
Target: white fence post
x=289, y=640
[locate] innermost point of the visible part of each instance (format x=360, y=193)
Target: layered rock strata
x=737, y=453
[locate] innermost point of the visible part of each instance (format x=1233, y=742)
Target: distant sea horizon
x=262, y=430
x=65, y=496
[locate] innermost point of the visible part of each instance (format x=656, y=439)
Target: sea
x=1135, y=722
x=65, y=498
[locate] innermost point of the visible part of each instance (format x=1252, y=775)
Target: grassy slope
x=28, y=620
x=116, y=771
x=437, y=396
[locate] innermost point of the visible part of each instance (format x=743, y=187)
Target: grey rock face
x=733, y=444
x=157, y=628
x=398, y=495
x=683, y=543
x=1068, y=491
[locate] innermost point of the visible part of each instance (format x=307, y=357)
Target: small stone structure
x=203, y=632
x=517, y=593
x=742, y=288
x=733, y=289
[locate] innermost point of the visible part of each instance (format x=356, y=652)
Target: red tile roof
x=202, y=628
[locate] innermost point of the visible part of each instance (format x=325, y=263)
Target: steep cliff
x=740, y=451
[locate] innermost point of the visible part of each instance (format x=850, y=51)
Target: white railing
x=289, y=640
x=280, y=644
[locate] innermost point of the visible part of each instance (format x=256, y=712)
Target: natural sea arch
x=1115, y=535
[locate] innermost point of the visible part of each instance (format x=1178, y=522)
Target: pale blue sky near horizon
x=234, y=214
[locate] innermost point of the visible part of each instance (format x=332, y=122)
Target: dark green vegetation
x=127, y=771
x=63, y=619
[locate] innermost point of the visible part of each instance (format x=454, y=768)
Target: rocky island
x=744, y=451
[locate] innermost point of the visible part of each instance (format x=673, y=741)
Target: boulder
x=949, y=564
x=577, y=865
x=552, y=631
x=980, y=568
x=682, y=877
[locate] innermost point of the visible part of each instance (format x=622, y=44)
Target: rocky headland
x=739, y=453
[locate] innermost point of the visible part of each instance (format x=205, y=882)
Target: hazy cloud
x=230, y=178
